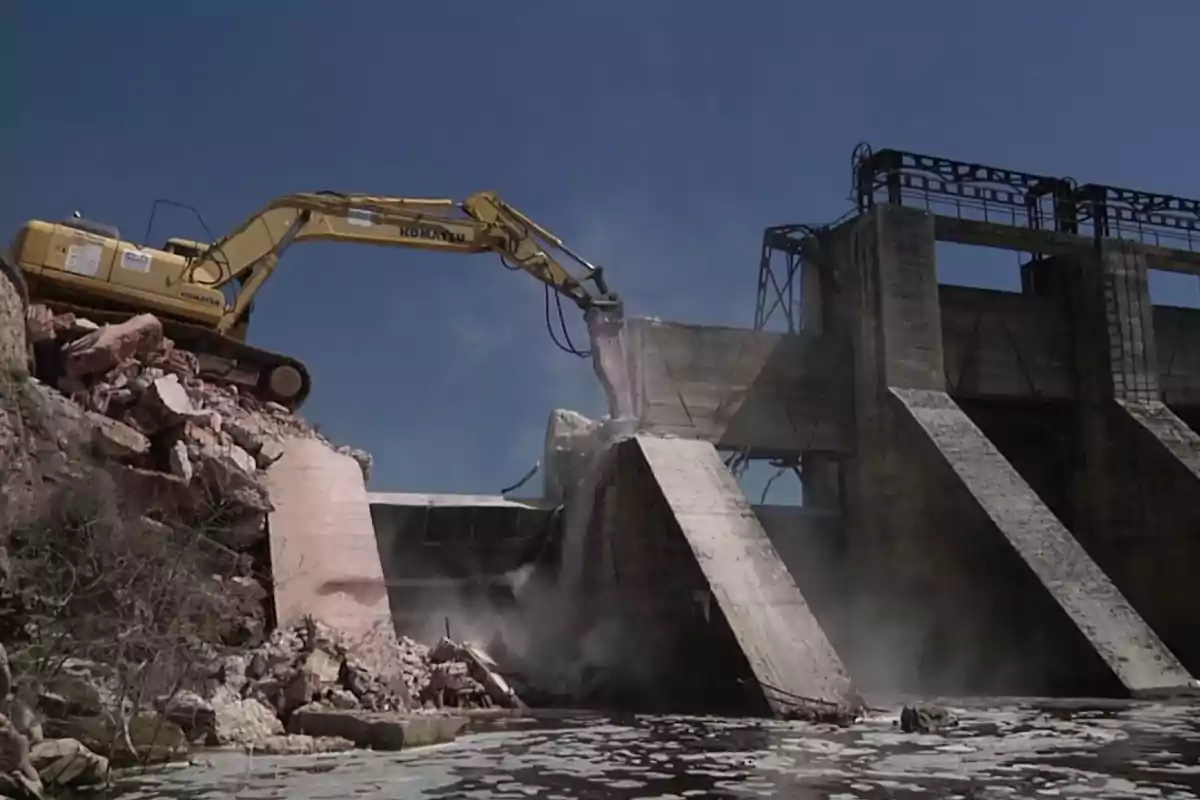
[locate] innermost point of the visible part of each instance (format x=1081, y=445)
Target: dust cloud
x=565, y=636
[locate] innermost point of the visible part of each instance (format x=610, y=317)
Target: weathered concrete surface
x=1134, y=653
x=810, y=543
x=1168, y=430
x=1177, y=333
x=1003, y=344
x=949, y=544
x=447, y=557
x=741, y=389
x=769, y=618
x=1149, y=545
x=780, y=393
x=324, y=559
x=1133, y=500
x=384, y=731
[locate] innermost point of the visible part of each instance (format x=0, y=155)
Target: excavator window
x=178, y=248
x=90, y=226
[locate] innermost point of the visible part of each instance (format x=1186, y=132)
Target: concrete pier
x=771, y=621
x=324, y=559
x=715, y=620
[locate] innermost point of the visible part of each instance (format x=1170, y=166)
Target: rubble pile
x=253, y=694
x=154, y=412
x=120, y=412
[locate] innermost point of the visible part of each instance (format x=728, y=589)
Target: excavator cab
x=91, y=226
x=186, y=248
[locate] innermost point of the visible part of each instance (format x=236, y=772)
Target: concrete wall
x=742, y=389
x=784, y=394
x=439, y=551
x=1177, y=331
x=1005, y=345
x=812, y=545
x=710, y=616
x=324, y=560
x=973, y=597
x=448, y=556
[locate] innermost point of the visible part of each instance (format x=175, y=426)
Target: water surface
x=1011, y=751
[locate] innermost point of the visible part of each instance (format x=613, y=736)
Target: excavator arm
x=247, y=256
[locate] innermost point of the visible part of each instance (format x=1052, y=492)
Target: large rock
x=149, y=492
x=167, y=403
x=40, y=324
x=23, y=718
x=294, y=744
x=227, y=470
x=155, y=739
x=194, y=715
x=378, y=731
x=98, y=352
x=117, y=440
x=43, y=325
x=18, y=779
x=5, y=673
x=71, y=695
x=243, y=721
x=67, y=763
x=14, y=352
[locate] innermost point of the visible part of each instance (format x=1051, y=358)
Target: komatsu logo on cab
x=200, y=298
x=436, y=234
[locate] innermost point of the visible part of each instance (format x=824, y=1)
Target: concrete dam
x=1000, y=488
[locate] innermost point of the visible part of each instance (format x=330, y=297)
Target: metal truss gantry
x=965, y=190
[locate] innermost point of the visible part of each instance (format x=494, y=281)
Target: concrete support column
x=1115, y=360
x=1133, y=499
x=1121, y=324
x=888, y=306
x=1107, y=299
x=811, y=288
x=821, y=481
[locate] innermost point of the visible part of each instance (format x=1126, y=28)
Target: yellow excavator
x=204, y=293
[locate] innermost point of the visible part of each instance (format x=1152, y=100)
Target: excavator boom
x=483, y=223
x=204, y=292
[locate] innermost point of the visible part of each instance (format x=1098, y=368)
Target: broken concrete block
x=243, y=435
x=116, y=439
x=39, y=324
x=376, y=730
x=101, y=350
x=67, y=762
x=483, y=669
x=270, y=452
x=167, y=400
x=571, y=439
x=179, y=462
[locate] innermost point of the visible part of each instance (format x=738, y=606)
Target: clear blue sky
x=657, y=137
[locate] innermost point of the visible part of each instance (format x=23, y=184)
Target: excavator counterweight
x=204, y=292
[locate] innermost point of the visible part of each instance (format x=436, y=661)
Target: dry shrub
x=87, y=582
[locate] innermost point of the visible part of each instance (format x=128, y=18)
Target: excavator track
x=269, y=376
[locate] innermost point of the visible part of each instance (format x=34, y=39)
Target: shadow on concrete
x=772, y=393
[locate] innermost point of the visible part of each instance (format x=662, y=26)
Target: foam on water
x=1007, y=751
